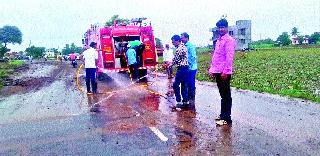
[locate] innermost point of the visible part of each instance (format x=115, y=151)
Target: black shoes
x=182, y=105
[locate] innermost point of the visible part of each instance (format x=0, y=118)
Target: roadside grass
x=290, y=72
x=203, y=50
x=6, y=68
x=262, y=46
x=16, y=63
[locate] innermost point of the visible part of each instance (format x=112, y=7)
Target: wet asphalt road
x=50, y=115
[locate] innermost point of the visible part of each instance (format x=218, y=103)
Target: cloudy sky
x=53, y=23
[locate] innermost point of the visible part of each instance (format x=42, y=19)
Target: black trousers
x=91, y=78
x=225, y=94
x=134, y=71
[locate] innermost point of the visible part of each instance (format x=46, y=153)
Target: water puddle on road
x=50, y=101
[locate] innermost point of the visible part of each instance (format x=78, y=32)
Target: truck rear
x=112, y=46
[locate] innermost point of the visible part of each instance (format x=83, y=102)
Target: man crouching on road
x=90, y=62
x=221, y=68
x=181, y=60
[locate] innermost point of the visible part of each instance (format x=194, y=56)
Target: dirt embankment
x=29, y=77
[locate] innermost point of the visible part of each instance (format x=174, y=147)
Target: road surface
x=45, y=111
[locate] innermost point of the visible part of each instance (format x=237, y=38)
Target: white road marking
x=158, y=133
x=137, y=114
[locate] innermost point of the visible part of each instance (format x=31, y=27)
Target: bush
x=16, y=63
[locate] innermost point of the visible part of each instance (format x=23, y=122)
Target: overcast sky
x=53, y=23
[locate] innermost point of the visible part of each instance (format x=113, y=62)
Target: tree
x=75, y=48
x=3, y=50
x=68, y=49
x=36, y=52
x=294, y=31
x=284, y=39
x=314, y=38
x=55, y=50
x=158, y=43
x=264, y=41
x=10, y=34
x=110, y=22
x=301, y=39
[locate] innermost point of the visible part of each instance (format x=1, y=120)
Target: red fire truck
x=112, y=44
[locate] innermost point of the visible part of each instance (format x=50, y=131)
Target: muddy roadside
x=263, y=124
x=27, y=78
x=40, y=90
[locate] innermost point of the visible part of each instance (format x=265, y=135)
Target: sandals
x=217, y=119
x=221, y=122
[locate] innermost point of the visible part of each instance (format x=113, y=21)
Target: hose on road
x=133, y=83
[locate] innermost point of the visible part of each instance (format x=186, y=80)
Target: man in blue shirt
x=132, y=61
x=193, y=66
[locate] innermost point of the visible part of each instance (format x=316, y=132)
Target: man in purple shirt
x=221, y=68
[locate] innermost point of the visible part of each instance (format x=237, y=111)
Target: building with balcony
x=241, y=32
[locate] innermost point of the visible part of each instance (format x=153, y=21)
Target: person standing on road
x=60, y=58
x=167, y=60
x=90, y=57
x=73, y=58
x=181, y=60
x=193, y=66
x=221, y=68
x=45, y=57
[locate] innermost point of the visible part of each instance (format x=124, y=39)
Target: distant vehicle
x=112, y=44
x=74, y=63
x=77, y=56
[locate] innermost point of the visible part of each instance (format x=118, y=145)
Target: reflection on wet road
x=136, y=119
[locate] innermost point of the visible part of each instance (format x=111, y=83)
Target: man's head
x=167, y=46
x=176, y=40
x=222, y=25
x=184, y=37
x=93, y=44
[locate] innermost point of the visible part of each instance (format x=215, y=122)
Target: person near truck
x=90, y=57
x=132, y=62
x=73, y=58
x=167, y=60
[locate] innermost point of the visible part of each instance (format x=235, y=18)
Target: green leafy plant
x=290, y=72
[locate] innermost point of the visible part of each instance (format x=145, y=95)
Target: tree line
x=13, y=35
x=285, y=39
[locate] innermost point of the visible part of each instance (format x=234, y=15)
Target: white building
x=241, y=32
x=49, y=52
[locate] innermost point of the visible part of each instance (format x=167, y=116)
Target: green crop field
x=262, y=46
x=291, y=72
